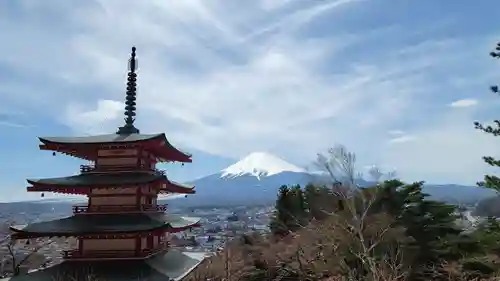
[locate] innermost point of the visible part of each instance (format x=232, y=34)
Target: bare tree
x=375, y=173
x=11, y=248
x=340, y=165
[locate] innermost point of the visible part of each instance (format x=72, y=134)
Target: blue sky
x=399, y=82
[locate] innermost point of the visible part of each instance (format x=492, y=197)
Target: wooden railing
x=115, y=254
x=118, y=168
x=83, y=209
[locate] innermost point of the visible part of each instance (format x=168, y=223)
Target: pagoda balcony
x=114, y=254
x=84, y=209
x=118, y=168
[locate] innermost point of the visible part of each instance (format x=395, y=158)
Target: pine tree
x=280, y=219
x=298, y=208
x=299, y=205
x=491, y=181
x=319, y=201
x=431, y=225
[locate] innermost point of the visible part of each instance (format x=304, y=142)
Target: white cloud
x=93, y=121
x=449, y=149
x=229, y=79
x=463, y=103
x=402, y=139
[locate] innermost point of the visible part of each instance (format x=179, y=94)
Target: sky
x=399, y=82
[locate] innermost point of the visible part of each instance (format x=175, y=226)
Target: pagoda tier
x=88, y=147
x=172, y=265
x=106, y=225
x=84, y=184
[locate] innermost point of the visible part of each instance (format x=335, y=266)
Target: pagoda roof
x=102, y=139
x=162, y=148
x=172, y=265
x=95, y=179
x=89, y=224
x=89, y=180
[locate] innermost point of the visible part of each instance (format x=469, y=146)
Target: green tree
x=435, y=236
x=289, y=214
x=298, y=207
x=488, y=236
x=280, y=218
x=491, y=181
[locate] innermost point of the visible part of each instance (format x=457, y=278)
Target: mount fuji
x=255, y=179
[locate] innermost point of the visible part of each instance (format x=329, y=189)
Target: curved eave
x=85, y=147
x=62, y=190
x=167, y=152
x=66, y=185
x=20, y=233
x=100, y=139
x=175, y=187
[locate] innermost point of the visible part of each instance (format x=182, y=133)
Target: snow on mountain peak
x=260, y=164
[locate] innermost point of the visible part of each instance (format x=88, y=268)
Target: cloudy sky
x=399, y=82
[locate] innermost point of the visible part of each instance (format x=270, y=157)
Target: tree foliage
x=491, y=181
x=390, y=217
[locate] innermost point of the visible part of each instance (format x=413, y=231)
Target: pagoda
x=123, y=233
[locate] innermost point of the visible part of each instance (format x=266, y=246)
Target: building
x=122, y=233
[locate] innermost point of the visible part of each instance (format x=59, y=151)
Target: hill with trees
x=391, y=231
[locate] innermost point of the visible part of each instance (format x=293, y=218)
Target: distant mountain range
x=257, y=177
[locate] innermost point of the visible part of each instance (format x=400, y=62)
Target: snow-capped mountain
x=259, y=164
x=256, y=178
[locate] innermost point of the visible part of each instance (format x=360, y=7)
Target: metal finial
x=132, y=62
x=130, y=98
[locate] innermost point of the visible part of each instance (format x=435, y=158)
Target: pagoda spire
x=130, y=98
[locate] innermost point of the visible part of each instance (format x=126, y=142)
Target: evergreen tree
x=298, y=207
x=488, y=236
x=290, y=210
x=280, y=219
x=431, y=224
x=391, y=199
x=491, y=181
x=298, y=202
x=319, y=201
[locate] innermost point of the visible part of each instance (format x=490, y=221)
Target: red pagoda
x=122, y=232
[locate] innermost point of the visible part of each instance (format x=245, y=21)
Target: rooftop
x=172, y=265
x=105, y=223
